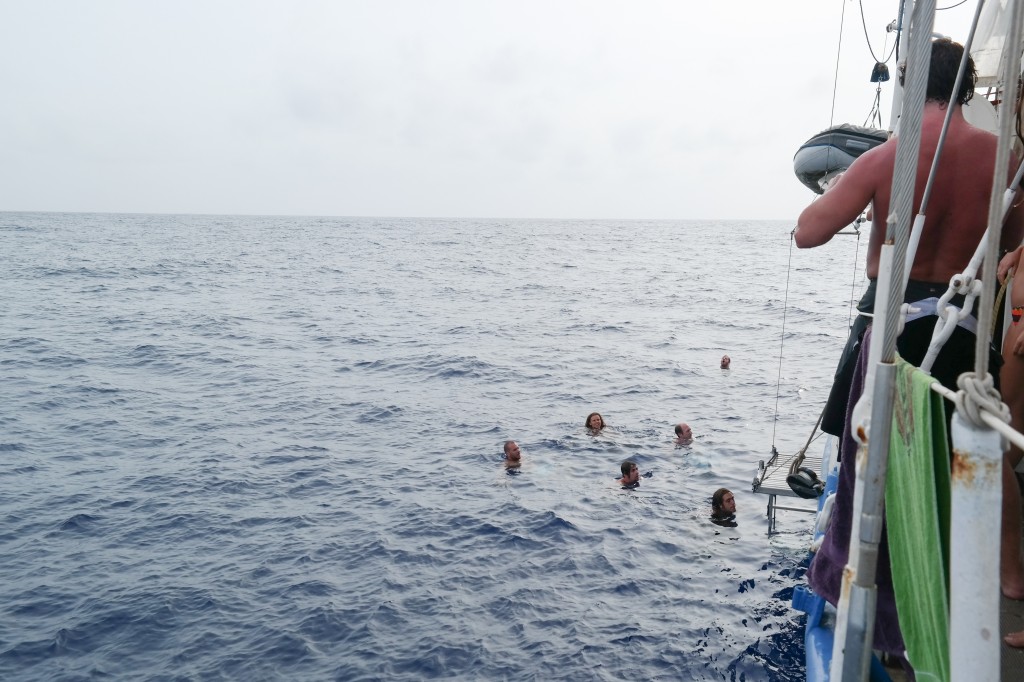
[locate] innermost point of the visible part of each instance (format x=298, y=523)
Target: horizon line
x=389, y=217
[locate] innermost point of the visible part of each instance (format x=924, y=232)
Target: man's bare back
x=957, y=212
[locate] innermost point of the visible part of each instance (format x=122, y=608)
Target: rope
x=835, y=78
x=798, y=461
x=875, y=115
x=782, y=340
x=863, y=23
x=950, y=316
x=800, y=455
x=977, y=395
x=853, y=281
x=991, y=420
x=835, y=86
x=999, y=301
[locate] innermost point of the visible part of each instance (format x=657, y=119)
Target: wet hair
x=594, y=414
x=945, y=63
x=627, y=467
x=716, y=501
x=679, y=430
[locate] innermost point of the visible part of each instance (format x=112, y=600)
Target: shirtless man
x=957, y=213
x=956, y=218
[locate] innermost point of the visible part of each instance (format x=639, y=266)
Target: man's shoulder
x=883, y=153
x=874, y=160
x=871, y=169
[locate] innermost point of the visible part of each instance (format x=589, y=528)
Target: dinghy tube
x=832, y=151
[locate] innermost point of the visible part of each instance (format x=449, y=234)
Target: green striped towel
x=917, y=501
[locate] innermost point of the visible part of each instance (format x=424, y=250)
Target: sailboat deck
x=1011, y=620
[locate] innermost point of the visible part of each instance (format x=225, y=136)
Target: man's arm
x=837, y=207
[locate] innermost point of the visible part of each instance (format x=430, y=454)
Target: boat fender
x=805, y=483
x=825, y=514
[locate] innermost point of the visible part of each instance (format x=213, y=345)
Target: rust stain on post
x=963, y=467
x=847, y=579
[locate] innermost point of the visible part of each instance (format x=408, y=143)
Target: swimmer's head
x=512, y=451
x=725, y=362
x=723, y=503
x=683, y=431
x=630, y=472
x=595, y=421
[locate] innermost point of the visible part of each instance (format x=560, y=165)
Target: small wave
x=326, y=625
x=553, y=526
x=28, y=343
x=231, y=487
x=311, y=588
x=455, y=367
x=379, y=414
x=80, y=522
x=62, y=361
x=97, y=389
x=107, y=273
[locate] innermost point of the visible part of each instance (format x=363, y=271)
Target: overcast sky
x=678, y=109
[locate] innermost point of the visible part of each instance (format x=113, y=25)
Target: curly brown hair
x=945, y=62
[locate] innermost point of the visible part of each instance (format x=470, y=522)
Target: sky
x=587, y=109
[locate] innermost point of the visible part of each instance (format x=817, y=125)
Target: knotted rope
x=977, y=395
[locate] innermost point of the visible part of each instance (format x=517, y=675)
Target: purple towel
x=825, y=574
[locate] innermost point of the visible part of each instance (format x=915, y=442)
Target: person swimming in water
x=725, y=362
x=595, y=422
x=512, y=454
x=723, y=508
x=684, y=434
x=630, y=474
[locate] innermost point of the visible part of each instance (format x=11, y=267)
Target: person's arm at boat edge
x=1007, y=263
x=839, y=206
x=1013, y=228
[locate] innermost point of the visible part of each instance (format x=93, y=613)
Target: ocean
x=270, y=448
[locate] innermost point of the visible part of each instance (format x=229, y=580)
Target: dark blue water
x=268, y=448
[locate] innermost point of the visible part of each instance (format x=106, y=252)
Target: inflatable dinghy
x=832, y=151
